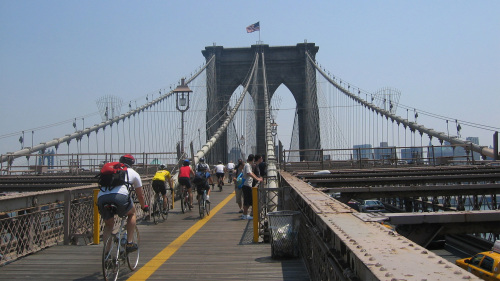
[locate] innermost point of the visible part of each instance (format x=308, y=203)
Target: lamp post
x=182, y=103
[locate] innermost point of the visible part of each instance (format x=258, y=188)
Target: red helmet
x=127, y=159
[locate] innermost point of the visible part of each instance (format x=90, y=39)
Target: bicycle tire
x=186, y=202
x=164, y=211
x=156, y=210
x=133, y=258
x=182, y=203
x=201, y=207
x=110, y=261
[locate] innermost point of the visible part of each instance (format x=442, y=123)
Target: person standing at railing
x=120, y=196
x=255, y=168
x=249, y=177
x=238, y=190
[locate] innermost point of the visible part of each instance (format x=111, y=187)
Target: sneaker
x=241, y=211
x=249, y=217
x=165, y=212
x=131, y=247
x=243, y=217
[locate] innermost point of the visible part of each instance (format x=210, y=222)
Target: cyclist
x=204, y=168
x=159, y=181
x=120, y=196
x=230, y=171
x=185, y=172
x=201, y=182
x=219, y=172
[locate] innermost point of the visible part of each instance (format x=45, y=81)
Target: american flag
x=253, y=27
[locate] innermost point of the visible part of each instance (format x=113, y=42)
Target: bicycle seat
x=111, y=207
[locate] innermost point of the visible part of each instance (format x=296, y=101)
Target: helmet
x=220, y=162
x=202, y=159
x=162, y=167
x=127, y=159
x=186, y=161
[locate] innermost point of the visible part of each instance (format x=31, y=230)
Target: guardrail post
x=255, y=211
x=67, y=214
x=97, y=227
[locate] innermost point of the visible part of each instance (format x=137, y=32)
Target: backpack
x=112, y=174
x=240, y=180
x=200, y=179
x=202, y=167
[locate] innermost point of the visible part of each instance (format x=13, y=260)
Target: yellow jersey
x=161, y=175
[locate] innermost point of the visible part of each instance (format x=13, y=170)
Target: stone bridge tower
x=286, y=65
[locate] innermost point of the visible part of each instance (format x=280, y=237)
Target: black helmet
x=202, y=159
x=162, y=167
x=220, y=162
x=127, y=159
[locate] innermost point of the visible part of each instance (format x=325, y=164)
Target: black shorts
x=123, y=204
x=247, y=196
x=159, y=186
x=219, y=175
x=185, y=181
x=202, y=187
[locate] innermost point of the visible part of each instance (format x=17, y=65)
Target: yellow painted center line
x=150, y=267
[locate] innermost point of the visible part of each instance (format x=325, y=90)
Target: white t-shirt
x=133, y=178
x=246, y=174
x=230, y=166
x=219, y=168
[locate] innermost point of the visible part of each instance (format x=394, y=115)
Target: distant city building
x=412, y=155
x=362, y=151
x=385, y=152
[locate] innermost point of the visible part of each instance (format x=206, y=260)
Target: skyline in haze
x=57, y=58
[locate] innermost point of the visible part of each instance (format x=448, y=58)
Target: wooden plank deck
x=221, y=249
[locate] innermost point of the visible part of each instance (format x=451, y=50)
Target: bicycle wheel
x=156, y=209
x=201, y=207
x=164, y=211
x=207, y=208
x=133, y=257
x=220, y=185
x=183, y=207
x=186, y=202
x=110, y=262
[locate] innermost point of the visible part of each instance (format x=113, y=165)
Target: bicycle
x=114, y=253
x=158, y=212
x=203, y=204
x=221, y=183
x=185, y=200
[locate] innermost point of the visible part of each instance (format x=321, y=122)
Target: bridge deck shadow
x=222, y=249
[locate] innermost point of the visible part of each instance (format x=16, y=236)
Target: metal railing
x=370, y=157
x=83, y=163
x=33, y=221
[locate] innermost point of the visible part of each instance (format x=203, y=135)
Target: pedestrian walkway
x=218, y=247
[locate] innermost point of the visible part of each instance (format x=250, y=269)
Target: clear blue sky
x=58, y=57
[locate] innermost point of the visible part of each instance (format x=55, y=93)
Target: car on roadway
x=371, y=205
x=485, y=265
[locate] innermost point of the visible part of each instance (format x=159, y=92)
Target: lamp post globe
x=182, y=104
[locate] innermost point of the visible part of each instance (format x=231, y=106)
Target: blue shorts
x=123, y=204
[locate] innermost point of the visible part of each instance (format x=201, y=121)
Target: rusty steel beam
x=368, y=250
